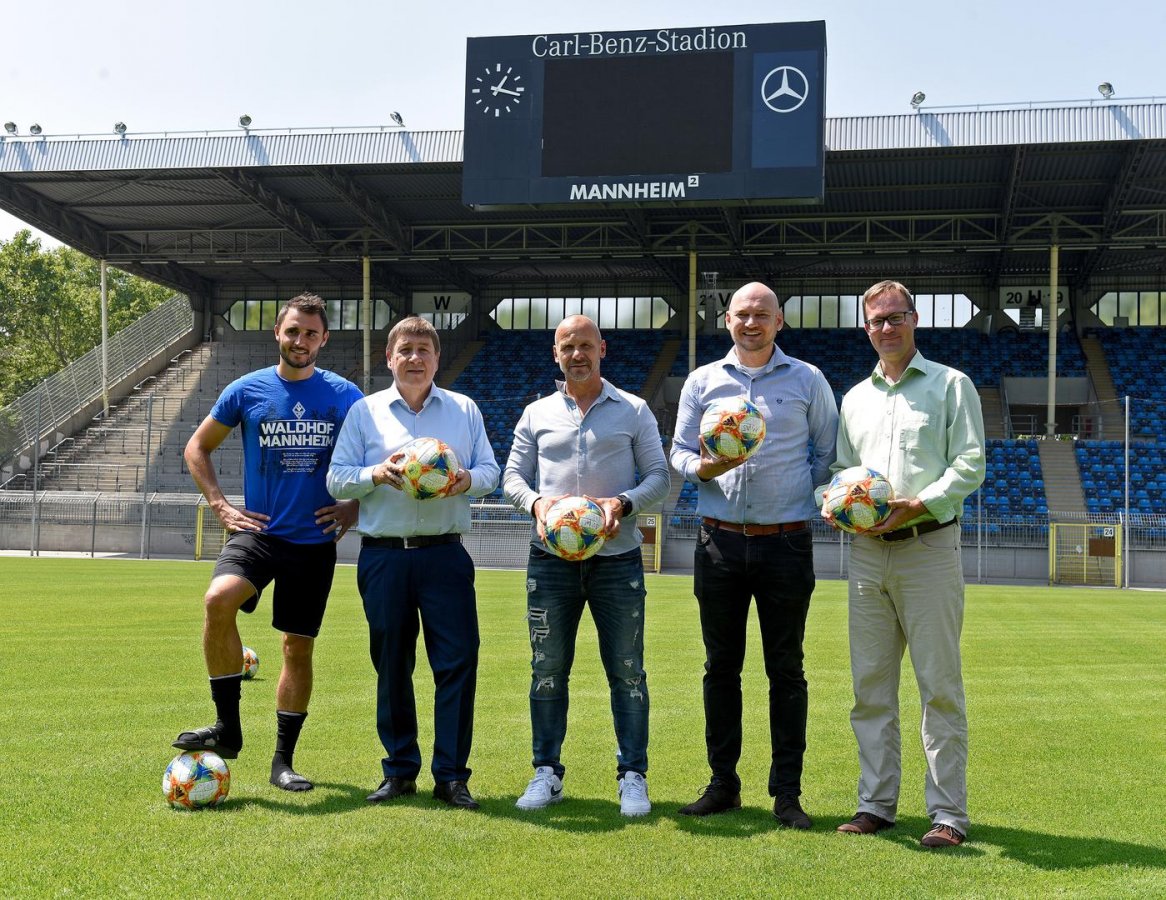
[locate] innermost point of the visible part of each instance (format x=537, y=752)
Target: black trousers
x=778, y=572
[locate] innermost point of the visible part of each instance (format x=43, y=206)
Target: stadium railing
x=62, y=396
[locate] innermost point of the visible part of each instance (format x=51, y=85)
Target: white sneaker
x=544, y=789
x=633, y=795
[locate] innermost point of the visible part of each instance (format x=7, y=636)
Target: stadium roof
x=944, y=200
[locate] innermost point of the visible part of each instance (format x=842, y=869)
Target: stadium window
x=343, y=315
x=1146, y=308
x=535, y=313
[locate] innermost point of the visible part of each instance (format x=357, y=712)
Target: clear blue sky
x=75, y=66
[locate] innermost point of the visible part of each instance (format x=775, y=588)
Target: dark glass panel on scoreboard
x=635, y=116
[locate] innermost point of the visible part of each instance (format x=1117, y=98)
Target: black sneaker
x=716, y=798
x=788, y=811
x=210, y=738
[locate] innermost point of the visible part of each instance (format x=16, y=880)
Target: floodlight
x=1105, y=89
x=396, y=117
x=119, y=127
x=10, y=127
x=244, y=121
x=34, y=129
x=917, y=99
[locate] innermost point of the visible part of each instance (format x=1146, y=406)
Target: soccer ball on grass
x=732, y=428
x=250, y=663
x=858, y=498
x=196, y=779
x=574, y=527
x=429, y=468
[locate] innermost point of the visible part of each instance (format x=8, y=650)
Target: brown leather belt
x=410, y=543
x=903, y=534
x=751, y=530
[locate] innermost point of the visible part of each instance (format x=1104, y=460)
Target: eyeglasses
x=894, y=320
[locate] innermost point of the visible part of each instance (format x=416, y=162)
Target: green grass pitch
x=101, y=667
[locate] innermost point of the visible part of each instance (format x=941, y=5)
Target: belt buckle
x=408, y=543
x=745, y=530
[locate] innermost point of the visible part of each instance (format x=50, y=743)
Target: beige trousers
x=909, y=595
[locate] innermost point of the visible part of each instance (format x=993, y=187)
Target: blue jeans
x=430, y=587
x=556, y=592
x=778, y=572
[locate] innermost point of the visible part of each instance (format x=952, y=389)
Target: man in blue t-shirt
x=286, y=532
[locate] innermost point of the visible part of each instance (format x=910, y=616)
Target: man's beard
x=301, y=362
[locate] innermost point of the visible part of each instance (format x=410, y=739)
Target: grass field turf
x=101, y=668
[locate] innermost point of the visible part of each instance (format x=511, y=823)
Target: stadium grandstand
x=980, y=212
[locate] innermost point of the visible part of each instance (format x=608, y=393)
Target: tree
x=50, y=309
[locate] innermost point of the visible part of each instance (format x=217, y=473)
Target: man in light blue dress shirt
x=412, y=562
x=587, y=438
x=755, y=543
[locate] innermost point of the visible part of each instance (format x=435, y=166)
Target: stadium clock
x=497, y=90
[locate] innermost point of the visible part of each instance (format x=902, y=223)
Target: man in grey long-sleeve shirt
x=588, y=438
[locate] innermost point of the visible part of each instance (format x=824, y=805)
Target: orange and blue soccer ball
x=574, y=527
x=858, y=498
x=196, y=779
x=250, y=663
x=429, y=467
x=732, y=428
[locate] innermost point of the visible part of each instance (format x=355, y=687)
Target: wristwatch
x=625, y=506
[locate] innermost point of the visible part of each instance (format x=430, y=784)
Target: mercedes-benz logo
x=785, y=89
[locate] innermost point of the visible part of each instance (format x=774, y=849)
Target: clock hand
x=498, y=87
x=501, y=90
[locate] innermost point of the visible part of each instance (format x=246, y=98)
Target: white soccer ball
x=250, y=663
x=196, y=779
x=429, y=468
x=858, y=498
x=574, y=527
x=732, y=428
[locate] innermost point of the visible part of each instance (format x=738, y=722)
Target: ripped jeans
x=556, y=592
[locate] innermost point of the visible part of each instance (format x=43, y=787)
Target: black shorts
x=302, y=574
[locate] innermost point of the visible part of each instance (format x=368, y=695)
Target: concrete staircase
x=660, y=369
x=1062, y=479
x=448, y=374
x=1112, y=414
x=993, y=412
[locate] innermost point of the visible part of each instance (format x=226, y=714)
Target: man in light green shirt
x=919, y=423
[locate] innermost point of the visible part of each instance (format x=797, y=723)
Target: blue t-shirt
x=289, y=429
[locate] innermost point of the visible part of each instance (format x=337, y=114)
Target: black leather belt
x=903, y=534
x=753, y=530
x=410, y=543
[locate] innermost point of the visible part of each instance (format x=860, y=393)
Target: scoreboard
x=724, y=114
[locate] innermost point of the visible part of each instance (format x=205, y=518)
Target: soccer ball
x=858, y=499
x=250, y=663
x=732, y=428
x=574, y=527
x=429, y=468
x=196, y=779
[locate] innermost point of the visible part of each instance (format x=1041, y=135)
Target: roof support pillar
x=692, y=309
x=1051, y=318
x=366, y=317
x=105, y=344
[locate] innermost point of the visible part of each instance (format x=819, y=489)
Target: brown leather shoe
x=942, y=836
x=865, y=823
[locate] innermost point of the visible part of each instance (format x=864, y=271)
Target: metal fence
x=167, y=525
x=59, y=397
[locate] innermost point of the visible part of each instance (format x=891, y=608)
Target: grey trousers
x=909, y=594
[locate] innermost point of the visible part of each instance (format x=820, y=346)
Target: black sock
x=288, y=725
x=226, y=691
